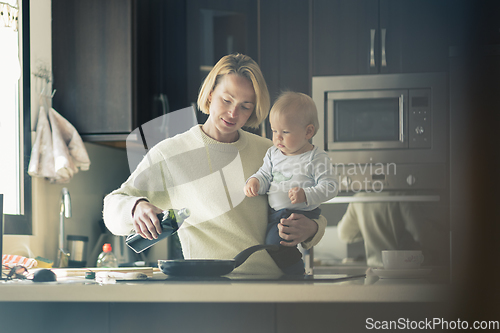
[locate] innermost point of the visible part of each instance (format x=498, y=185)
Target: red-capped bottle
x=107, y=257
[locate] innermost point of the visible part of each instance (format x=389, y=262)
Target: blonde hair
x=246, y=67
x=304, y=105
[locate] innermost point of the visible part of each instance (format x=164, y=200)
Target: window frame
x=22, y=224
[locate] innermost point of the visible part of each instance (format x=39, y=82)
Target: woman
x=204, y=169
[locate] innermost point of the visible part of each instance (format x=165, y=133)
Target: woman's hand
x=296, y=229
x=146, y=222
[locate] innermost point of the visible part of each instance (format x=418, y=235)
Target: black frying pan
x=209, y=267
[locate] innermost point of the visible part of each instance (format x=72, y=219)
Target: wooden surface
x=66, y=272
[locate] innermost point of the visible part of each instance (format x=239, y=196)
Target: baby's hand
x=297, y=195
x=252, y=187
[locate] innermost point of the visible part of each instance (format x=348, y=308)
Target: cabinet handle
x=164, y=103
x=401, y=119
x=372, y=47
x=384, y=60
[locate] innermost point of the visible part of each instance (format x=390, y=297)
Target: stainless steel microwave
x=396, y=120
x=376, y=115
x=378, y=119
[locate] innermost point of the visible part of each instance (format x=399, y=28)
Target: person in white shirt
x=296, y=175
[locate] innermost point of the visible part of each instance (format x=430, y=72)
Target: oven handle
x=385, y=198
x=401, y=119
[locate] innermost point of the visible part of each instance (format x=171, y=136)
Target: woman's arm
x=299, y=229
x=123, y=209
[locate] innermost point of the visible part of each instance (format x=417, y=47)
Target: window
x=15, y=128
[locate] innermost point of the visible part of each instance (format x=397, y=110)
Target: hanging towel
x=58, y=151
x=10, y=261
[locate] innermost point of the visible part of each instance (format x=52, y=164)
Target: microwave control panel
x=419, y=118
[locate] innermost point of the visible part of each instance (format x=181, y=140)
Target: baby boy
x=296, y=175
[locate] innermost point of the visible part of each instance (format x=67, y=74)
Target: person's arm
x=120, y=206
x=299, y=229
x=145, y=219
x=251, y=188
x=117, y=212
x=314, y=240
x=348, y=227
x=326, y=184
x=264, y=174
x=425, y=229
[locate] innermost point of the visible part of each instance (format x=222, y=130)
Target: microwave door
x=361, y=120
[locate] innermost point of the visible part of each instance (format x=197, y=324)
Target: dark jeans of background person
x=288, y=259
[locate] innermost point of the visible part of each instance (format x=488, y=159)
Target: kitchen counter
x=328, y=288
x=240, y=304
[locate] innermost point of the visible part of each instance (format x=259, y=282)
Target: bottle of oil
x=170, y=221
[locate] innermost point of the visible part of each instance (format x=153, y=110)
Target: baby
x=296, y=175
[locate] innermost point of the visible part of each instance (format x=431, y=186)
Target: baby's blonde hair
x=246, y=67
x=290, y=101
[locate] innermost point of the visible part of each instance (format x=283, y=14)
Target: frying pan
x=209, y=267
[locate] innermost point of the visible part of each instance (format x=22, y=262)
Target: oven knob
x=411, y=180
x=346, y=181
x=419, y=130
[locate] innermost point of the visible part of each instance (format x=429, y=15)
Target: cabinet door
x=92, y=64
x=344, y=37
x=378, y=37
x=284, y=47
x=160, y=51
x=215, y=29
x=284, y=41
x=413, y=36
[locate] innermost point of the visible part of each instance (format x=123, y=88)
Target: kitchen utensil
x=401, y=259
x=77, y=246
x=209, y=267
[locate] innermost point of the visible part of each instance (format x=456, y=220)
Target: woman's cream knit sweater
x=194, y=171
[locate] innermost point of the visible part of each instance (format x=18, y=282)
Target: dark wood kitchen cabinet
x=93, y=65
x=284, y=45
x=214, y=29
x=116, y=62
x=113, y=63
x=379, y=37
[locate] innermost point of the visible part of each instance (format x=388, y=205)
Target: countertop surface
x=326, y=285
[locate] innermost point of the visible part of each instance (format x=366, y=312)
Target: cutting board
x=61, y=272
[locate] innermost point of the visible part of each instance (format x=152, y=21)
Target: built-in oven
x=388, y=138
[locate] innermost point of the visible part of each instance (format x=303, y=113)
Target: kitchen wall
x=108, y=169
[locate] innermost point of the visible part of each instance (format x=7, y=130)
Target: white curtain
x=10, y=69
x=10, y=72
x=9, y=14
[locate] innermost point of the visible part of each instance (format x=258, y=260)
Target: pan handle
x=242, y=256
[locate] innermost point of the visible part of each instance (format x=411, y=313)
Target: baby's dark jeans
x=288, y=259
